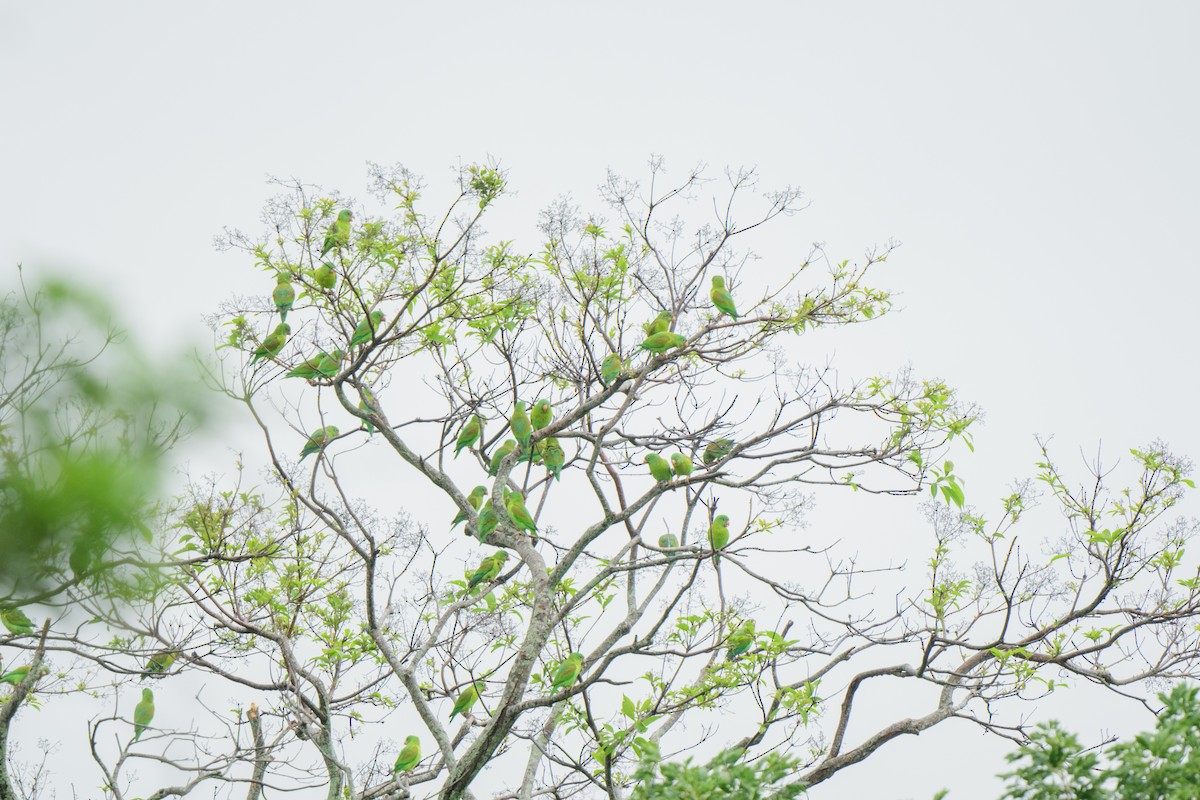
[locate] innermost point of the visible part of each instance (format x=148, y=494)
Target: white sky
x=1039, y=164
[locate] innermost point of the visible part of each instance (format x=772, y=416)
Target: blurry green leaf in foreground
x=85, y=423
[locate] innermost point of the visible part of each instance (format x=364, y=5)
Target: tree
x=498, y=329
x=605, y=605
x=1163, y=764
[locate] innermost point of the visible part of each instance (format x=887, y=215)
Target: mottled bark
x=260, y=754
x=9, y=710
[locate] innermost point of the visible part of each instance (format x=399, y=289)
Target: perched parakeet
x=740, y=640
x=14, y=677
x=541, y=415
x=274, y=342
x=368, y=404
x=325, y=277
x=317, y=440
x=307, y=370
x=488, y=520
x=339, y=232
x=659, y=467
x=668, y=540
x=610, y=369
x=567, y=672
x=467, y=698
x=716, y=450
x=499, y=454
x=519, y=422
x=475, y=498
x=682, y=465
x=718, y=533
x=532, y=454
x=81, y=557
x=15, y=620
x=553, y=456
x=469, y=434
x=323, y=365
x=488, y=569
x=329, y=363
x=284, y=295
x=522, y=519
x=368, y=329
x=660, y=343
x=143, y=713
x=659, y=324
x=721, y=297
x=410, y=756
x=160, y=662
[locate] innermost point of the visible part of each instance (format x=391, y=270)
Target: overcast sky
x=1038, y=161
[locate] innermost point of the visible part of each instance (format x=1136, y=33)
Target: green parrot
x=369, y=404
x=721, y=297
x=488, y=520
x=81, y=557
x=329, y=364
x=469, y=434
x=660, y=343
x=410, y=756
x=467, y=698
x=307, y=370
x=15, y=620
x=567, y=672
x=716, y=450
x=160, y=662
x=610, y=369
x=541, y=415
x=519, y=422
x=15, y=676
x=339, y=232
x=659, y=467
x=143, y=712
x=488, y=569
x=553, y=456
x=740, y=640
x=274, y=342
x=532, y=454
x=325, y=277
x=284, y=295
x=475, y=498
x=681, y=464
x=515, y=503
x=317, y=440
x=668, y=540
x=718, y=534
x=367, y=329
x=659, y=324
x=499, y=455
x=323, y=365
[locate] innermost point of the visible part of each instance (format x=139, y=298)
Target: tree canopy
x=624, y=424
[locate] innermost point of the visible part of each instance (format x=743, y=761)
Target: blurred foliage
x=86, y=423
